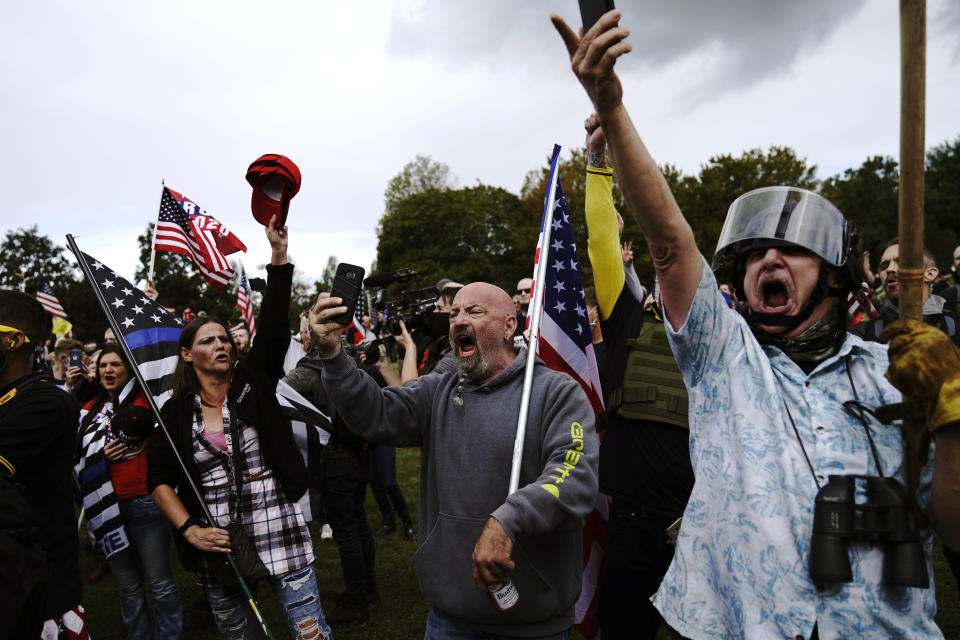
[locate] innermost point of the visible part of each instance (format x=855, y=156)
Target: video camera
x=370, y=350
x=411, y=306
x=886, y=517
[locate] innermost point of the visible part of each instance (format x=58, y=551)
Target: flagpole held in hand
x=533, y=315
x=138, y=374
x=153, y=246
x=153, y=257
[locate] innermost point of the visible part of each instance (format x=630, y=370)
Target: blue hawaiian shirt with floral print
x=741, y=564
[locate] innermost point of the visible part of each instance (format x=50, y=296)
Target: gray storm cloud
x=737, y=44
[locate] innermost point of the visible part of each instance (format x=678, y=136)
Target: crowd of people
x=775, y=461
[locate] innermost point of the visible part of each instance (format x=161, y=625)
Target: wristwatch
x=189, y=523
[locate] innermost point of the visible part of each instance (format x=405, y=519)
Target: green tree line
x=487, y=233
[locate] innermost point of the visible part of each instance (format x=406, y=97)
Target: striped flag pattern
x=146, y=327
x=48, y=300
x=70, y=626
x=860, y=304
x=185, y=228
x=357, y=323
x=565, y=342
x=245, y=302
x=100, y=506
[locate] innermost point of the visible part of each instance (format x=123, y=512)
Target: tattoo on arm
x=596, y=160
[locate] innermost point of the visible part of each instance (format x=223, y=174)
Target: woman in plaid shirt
x=225, y=422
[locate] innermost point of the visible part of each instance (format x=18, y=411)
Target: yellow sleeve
x=603, y=241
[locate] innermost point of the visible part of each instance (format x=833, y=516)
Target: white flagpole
x=153, y=241
x=533, y=312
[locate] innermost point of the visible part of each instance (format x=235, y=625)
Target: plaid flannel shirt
x=275, y=524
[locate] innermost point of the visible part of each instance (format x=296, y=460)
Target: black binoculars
x=885, y=518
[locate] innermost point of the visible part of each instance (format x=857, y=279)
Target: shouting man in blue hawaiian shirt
x=768, y=423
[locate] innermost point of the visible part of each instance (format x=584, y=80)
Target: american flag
x=565, y=344
x=70, y=626
x=860, y=304
x=185, y=228
x=245, y=302
x=145, y=326
x=47, y=299
x=357, y=324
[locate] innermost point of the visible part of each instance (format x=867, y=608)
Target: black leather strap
x=191, y=521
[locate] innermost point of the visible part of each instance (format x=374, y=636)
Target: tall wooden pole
x=913, y=70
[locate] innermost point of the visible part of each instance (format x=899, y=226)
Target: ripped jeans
x=298, y=595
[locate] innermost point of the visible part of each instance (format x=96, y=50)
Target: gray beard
x=474, y=367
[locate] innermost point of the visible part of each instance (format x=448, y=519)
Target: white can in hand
x=503, y=594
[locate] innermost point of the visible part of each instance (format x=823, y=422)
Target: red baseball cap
x=275, y=180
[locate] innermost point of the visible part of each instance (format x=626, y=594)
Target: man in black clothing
x=345, y=471
x=38, y=427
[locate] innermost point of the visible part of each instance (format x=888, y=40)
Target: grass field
x=402, y=611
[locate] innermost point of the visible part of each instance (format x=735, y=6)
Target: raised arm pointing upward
x=672, y=246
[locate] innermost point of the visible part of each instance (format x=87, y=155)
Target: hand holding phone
x=346, y=286
x=76, y=358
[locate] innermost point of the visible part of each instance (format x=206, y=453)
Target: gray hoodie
x=465, y=460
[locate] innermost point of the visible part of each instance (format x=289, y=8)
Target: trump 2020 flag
x=184, y=228
x=145, y=326
x=565, y=342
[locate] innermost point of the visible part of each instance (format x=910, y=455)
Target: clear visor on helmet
x=788, y=215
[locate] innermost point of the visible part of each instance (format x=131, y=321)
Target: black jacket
x=946, y=320
x=38, y=427
x=253, y=393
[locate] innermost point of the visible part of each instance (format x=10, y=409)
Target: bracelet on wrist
x=191, y=521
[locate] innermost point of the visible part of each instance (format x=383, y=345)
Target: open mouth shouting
x=465, y=345
x=467, y=354
x=775, y=293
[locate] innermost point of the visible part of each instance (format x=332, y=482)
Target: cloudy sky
x=102, y=100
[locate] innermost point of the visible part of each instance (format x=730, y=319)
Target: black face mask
x=815, y=344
